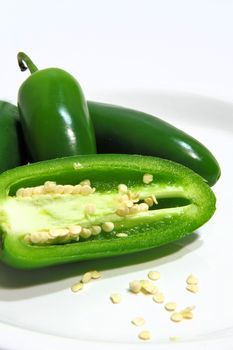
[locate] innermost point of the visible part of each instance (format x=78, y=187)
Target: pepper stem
x=25, y=62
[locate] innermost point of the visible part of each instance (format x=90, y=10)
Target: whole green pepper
x=53, y=113
x=93, y=206
x=12, y=150
x=123, y=130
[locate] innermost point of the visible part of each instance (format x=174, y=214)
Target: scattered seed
x=192, y=288
x=154, y=275
x=147, y=286
x=176, y=317
x=144, y=335
x=108, y=226
x=86, y=277
x=135, y=286
x=76, y=287
x=191, y=279
x=116, y=298
x=187, y=314
x=147, y=178
x=171, y=306
x=174, y=338
x=138, y=321
x=158, y=298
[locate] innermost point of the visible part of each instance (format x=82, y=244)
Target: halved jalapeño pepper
x=93, y=206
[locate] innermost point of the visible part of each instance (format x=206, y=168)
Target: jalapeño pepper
x=123, y=130
x=53, y=113
x=93, y=206
x=12, y=148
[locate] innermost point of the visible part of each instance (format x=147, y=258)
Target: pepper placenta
x=123, y=130
x=93, y=206
x=54, y=113
x=12, y=150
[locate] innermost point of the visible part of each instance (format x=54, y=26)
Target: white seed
x=187, y=314
x=85, y=182
x=95, y=274
x=193, y=288
x=68, y=189
x=191, y=279
x=158, y=298
x=135, y=286
x=95, y=230
x=116, y=298
x=107, y=226
x=75, y=230
x=138, y=321
x=76, y=287
x=123, y=210
x=144, y=335
x=19, y=192
x=77, y=189
x=38, y=190
x=35, y=237
x=128, y=204
x=90, y=209
x=27, y=192
x=121, y=235
x=143, y=207
x=135, y=209
x=134, y=196
x=154, y=275
x=49, y=186
x=85, y=233
x=86, y=277
x=58, y=232
x=124, y=198
x=85, y=190
x=171, y=306
x=147, y=178
x=176, y=317
x=147, y=286
x=122, y=188
x=149, y=201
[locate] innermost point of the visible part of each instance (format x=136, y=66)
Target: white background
x=109, y=45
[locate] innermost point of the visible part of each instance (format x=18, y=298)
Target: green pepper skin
x=106, y=172
x=11, y=145
x=54, y=114
x=123, y=130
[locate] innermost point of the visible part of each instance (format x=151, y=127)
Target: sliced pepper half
x=85, y=207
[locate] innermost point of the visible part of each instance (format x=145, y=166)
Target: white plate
x=37, y=308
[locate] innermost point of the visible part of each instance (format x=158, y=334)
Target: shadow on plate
x=22, y=284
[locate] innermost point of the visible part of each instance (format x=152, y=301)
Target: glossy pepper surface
x=123, y=130
x=93, y=206
x=12, y=152
x=53, y=113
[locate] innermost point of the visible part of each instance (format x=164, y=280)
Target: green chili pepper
x=93, y=206
x=53, y=113
x=123, y=130
x=12, y=151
